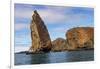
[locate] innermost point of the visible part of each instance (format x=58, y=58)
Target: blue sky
x=58, y=20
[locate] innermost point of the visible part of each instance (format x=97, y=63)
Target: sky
x=58, y=20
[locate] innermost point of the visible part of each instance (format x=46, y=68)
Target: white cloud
x=22, y=39
x=51, y=14
x=23, y=14
x=59, y=29
x=20, y=26
x=47, y=14
x=21, y=48
x=51, y=17
x=23, y=11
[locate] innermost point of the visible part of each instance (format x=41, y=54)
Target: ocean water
x=53, y=57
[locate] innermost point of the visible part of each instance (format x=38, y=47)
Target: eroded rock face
x=80, y=38
x=59, y=45
x=41, y=41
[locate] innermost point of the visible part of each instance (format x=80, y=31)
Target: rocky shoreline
x=27, y=52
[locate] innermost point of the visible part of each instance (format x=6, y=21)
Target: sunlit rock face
x=59, y=45
x=80, y=38
x=41, y=41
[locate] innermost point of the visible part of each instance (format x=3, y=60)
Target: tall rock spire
x=39, y=34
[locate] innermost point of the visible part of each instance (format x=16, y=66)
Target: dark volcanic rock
x=59, y=45
x=80, y=38
x=41, y=41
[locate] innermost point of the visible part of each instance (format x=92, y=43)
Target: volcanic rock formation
x=59, y=45
x=41, y=41
x=80, y=38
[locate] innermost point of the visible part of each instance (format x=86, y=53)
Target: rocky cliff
x=41, y=41
x=59, y=45
x=80, y=38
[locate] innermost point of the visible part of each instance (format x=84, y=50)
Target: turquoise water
x=54, y=57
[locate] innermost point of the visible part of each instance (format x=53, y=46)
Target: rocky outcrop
x=76, y=38
x=59, y=45
x=80, y=38
x=39, y=34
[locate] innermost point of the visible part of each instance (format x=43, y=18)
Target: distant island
x=78, y=38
